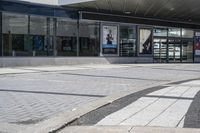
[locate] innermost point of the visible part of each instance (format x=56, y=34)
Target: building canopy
x=173, y=10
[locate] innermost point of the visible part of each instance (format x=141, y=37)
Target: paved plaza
x=29, y=95
x=174, y=106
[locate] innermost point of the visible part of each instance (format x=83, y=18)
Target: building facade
x=34, y=30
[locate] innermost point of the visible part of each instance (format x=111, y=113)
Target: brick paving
x=29, y=95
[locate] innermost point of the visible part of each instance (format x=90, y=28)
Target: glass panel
x=66, y=37
x=17, y=45
x=145, y=41
x=174, y=32
x=15, y=23
x=187, y=33
x=187, y=51
x=38, y=25
x=39, y=46
x=127, y=41
x=89, y=39
x=160, y=32
x=174, y=50
x=7, y=45
x=51, y=27
x=160, y=50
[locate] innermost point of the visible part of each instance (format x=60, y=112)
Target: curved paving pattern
x=174, y=106
x=32, y=94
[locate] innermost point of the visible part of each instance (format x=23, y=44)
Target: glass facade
x=1, y=36
x=58, y=32
x=89, y=38
x=173, y=45
x=128, y=37
x=66, y=37
x=15, y=27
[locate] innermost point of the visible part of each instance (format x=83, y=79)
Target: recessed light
x=127, y=12
x=172, y=9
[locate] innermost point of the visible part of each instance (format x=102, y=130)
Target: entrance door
x=160, y=50
x=187, y=50
x=174, y=50
x=127, y=41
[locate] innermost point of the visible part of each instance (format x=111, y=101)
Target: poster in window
x=145, y=41
x=197, y=44
x=110, y=39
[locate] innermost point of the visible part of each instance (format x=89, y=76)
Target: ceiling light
x=127, y=12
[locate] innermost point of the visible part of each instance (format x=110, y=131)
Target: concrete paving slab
x=126, y=129
x=162, y=130
x=173, y=115
x=99, y=129
x=145, y=116
x=121, y=115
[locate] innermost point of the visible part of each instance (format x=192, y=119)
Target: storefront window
x=15, y=23
x=1, y=45
x=89, y=39
x=145, y=41
x=15, y=30
x=66, y=37
x=160, y=32
x=187, y=50
x=186, y=33
x=38, y=31
x=174, y=32
x=127, y=41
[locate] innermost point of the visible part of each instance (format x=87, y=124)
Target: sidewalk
x=49, y=97
x=172, y=109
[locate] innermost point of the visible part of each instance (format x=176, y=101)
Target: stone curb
x=126, y=129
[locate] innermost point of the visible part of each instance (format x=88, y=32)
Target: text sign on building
x=197, y=44
x=110, y=39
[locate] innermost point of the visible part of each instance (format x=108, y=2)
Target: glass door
x=127, y=41
x=160, y=50
x=174, y=50
x=187, y=50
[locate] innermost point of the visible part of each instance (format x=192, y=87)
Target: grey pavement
x=126, y=129
x=167, y=107
x=29, y=95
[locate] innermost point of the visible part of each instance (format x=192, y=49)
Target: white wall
x=65, y=2
x=49, y=2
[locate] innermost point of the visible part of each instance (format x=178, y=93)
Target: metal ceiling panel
x=181, y=10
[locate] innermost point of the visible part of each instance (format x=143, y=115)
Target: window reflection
x=89, y=39
x=160, y=32
x=66, y=37
x=174, y=32
x=187, y=33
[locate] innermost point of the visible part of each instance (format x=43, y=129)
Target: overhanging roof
x=173, y=10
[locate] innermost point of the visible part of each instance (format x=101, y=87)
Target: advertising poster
x=110, y=39
x=197, y=44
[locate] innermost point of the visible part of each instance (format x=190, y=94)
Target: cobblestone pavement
x=32, y=94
